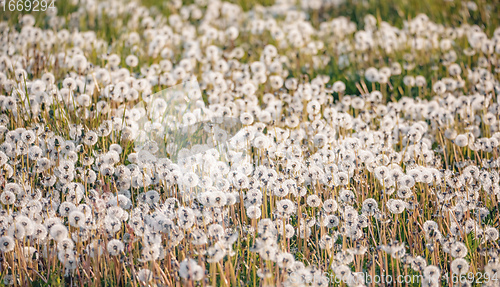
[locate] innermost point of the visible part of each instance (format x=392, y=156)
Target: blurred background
x=451, y=12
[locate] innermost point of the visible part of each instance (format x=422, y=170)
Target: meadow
x=250, y=143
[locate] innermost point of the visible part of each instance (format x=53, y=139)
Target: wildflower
x=372, y=74
x=370, y=206
x=326, y=242
x=190, y=270
x=17, y=231
x=459, y=266
x=285, y=260
x=26, y=223
x=409, y=81
x=65, y=245
x=420, y=81
x=418, y=264
x=115, y=247
x=28, y=137
x=215, y=254
x=66, y=207
x=7, y=197
x=285, y=207
x=459, y=250
x=313, y=200
x=58, y=232
x=439, y=87
x=39, y=232
x=90, y=138
x=131, y=61
x=70, y=84
x=6, y=244
x=145, y=275
x=253, y=212
x=461, y=140
x=331, y=221
x=396, y=206
x=246, y=118
x=432, y=272
x=330, y=205
x=491, y=234
x=76, y=218
x=339, y=87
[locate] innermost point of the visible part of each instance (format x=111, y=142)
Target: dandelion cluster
x=348, y=147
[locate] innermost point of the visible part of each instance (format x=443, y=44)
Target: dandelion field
x=250, y=143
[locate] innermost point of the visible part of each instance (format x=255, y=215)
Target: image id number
x=28, y=5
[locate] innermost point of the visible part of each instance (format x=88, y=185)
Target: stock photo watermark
x=175, y=122
x=360, y=278
x=377, y=279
